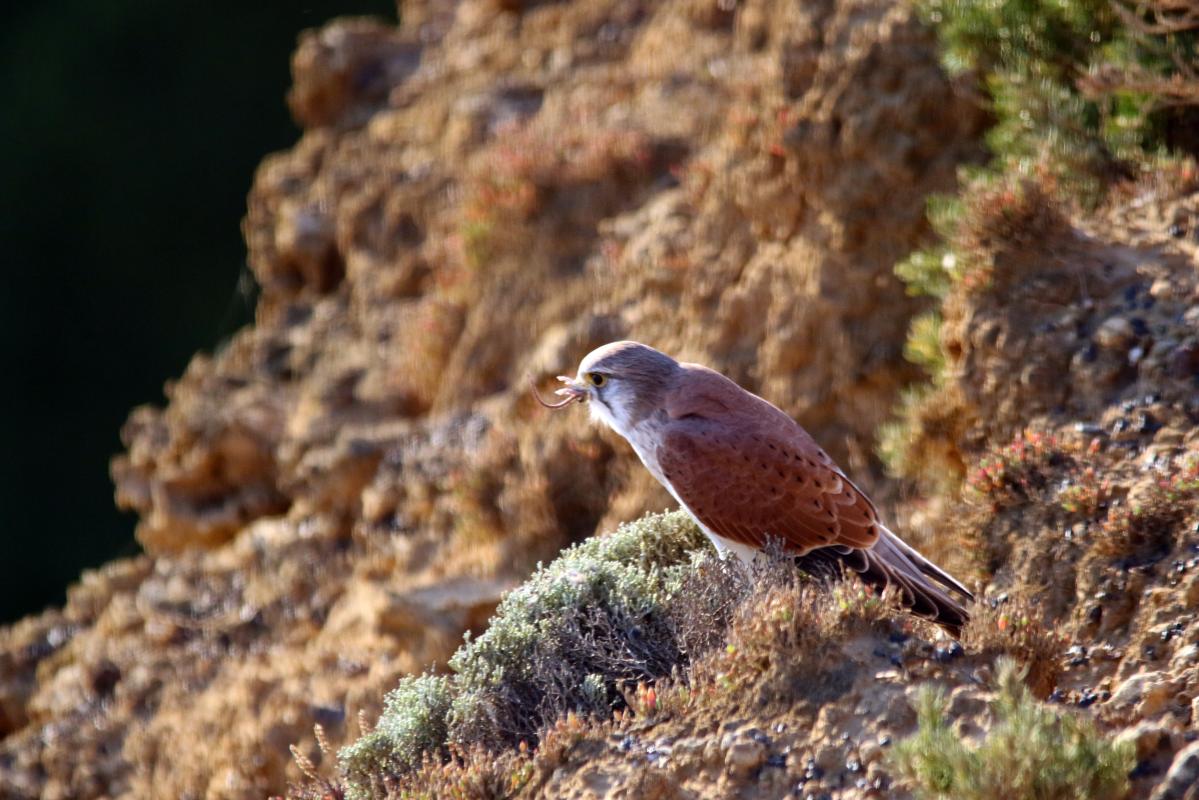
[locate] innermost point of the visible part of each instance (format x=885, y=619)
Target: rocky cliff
x=489, y=191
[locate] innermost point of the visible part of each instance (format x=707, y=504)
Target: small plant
x=1013, y=473
x=473, y=774
x=786, y=636
x=1087, y=495
x=1015, y=629
x=919, y=442
x=1086, y=95
x=1031, y=752
x=1143, y=528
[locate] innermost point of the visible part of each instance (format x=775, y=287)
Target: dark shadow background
x=129, y=134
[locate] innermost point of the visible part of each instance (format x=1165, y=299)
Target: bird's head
x=623, y=382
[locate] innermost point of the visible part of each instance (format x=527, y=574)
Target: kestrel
x=748, y=473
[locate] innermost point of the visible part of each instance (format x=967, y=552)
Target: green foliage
x=596, y=616
x=930, y=272
x=413, y=723
x=568, y=639
x=909, y=455
x=927, y=272
x=923, y=346
x=1032, y=751
x=1077, y=86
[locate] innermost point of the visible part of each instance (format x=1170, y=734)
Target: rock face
x=483, y=194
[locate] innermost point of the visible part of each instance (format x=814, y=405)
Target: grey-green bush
x=601, y=615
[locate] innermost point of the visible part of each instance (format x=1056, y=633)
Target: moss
x=1032, y=752
x=599, y=617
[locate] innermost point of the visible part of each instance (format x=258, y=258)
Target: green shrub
x=1086, y=88
x=594, y=618
x=1032, y=752
x=601, y=616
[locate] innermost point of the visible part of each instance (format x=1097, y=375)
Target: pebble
x=1185, y=657
x=1183, y=776
x=1146, y=737
x=869, y=752
x=965, y=701
x=1183, y=361
x=742, y=755
x=829, y=759
x=1149, y=692
x=1116, y=333
x=1162, y=289
x=713, y=756
x=1077, y=656
x=945, y=653
x=1190, y=591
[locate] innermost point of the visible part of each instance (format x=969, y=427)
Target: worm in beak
x=568, y=392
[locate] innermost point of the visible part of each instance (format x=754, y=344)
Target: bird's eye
x=597, y=379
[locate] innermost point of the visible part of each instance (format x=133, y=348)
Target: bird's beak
x=573, y=391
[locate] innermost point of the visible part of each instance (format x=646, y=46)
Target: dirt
x=483, y=195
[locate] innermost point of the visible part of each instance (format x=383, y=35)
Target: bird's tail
x=926, y=590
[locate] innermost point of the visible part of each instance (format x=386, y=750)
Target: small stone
x=1147, y=738
x=1183, y=360
x=869, y=752
x=1149, y=692
x=1116, y=333
x=965, y=701
x=743, y=756
x=1162, y=289
x=1182, y=779
x=758, y=736
x=713, y=756
x=947, y=652
x=829, y=759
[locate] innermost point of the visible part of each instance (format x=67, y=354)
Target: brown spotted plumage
x=748, y=473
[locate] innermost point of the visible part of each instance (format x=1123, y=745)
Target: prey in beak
x=570, y=393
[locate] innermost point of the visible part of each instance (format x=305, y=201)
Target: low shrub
x=1031, y=752
x=603, y=616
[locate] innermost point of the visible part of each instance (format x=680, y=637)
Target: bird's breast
x=645, y=437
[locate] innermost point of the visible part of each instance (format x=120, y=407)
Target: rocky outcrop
x=485, y=194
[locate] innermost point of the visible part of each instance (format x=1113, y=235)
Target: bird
x=749, y=474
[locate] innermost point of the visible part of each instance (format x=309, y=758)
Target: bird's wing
x=762, y=481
